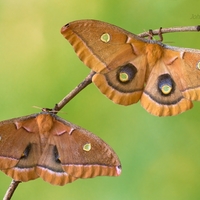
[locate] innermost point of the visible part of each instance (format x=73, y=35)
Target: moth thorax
x=45, y=123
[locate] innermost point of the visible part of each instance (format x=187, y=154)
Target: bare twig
x=74, y=92
x=11, y=189
x=171, y=30
x=88, y=80
x=57, y=107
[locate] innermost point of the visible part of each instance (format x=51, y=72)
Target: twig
x=74, y=92
x=88, y=80
x=171, y=30
x=11, y=189
x=57, y=107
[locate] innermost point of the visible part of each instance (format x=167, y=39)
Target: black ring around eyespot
x=126, y=73
x=166, y=85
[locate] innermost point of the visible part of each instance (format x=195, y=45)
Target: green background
x=160, y=156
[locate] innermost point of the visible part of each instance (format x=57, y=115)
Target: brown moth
x=44, y=145
x=128, y=68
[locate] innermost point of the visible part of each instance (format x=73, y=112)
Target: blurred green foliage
x=160, y=156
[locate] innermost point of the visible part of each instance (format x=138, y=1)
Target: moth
x=47, y=146
x=128, y=68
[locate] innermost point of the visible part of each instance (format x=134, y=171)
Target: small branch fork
x=88, y=80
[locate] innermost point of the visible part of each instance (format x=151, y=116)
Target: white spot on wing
x=72, y=129
x=118, y=168
x=182, y=54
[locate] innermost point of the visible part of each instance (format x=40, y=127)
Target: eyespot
x=126, y=73
x=166, y=89
x=166, y=85
x=198, y=65
x=87, y=147
x=123, y=76
x=105, y=37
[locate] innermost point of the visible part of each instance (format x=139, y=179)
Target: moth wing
x=50, y=167
x=185, y=70
x=102, y=46
x=123, y=85
x=19, y=148
x=163, y=94
x=82, y=154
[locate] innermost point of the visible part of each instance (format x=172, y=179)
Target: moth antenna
x=49, y=110
x=37, y=107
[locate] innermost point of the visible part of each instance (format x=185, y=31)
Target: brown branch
x=74, y=92
x=171, y=30
x=88, y=80
x=57, y=107
x=11, y=189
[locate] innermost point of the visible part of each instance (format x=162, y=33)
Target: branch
x=74, y=92
x=88, y=80
x=171, y=30
x=11, y=189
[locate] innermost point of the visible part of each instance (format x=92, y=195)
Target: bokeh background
x=160, y=156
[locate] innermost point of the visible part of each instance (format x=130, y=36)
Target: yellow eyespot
x=166, y=89
x=123, y=77
x=198, y=65
x=87, y=147
x=105, y=37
